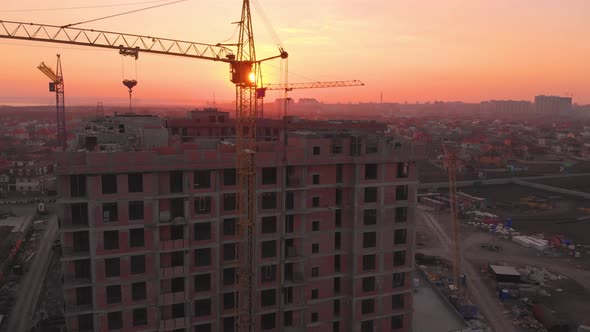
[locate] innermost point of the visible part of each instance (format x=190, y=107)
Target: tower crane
x=57, y=85
x=245, y=73
x=287, y=87
x=451, y=158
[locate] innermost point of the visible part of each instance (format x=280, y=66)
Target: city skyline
x=469, y=51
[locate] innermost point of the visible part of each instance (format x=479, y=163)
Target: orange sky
x=419, y=50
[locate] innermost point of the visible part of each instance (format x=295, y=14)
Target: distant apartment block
x=506, y=106
x=553, y=105
x=149, y=237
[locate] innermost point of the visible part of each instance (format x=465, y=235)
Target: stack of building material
x=531, y=242
x=436, y=205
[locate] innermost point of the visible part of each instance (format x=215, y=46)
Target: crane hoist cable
x=123, y=13
x=81, y=7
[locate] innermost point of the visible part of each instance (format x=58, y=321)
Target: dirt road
x=485, y=301
x=21, y=316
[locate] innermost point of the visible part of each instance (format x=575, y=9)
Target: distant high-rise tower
x=553, y=105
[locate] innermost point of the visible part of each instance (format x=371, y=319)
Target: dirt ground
x=568, y=297
x=577, y=183
x=533, y=221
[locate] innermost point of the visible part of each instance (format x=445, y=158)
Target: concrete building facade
x=149, y=237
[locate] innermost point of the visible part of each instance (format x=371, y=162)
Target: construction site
x=525, y=254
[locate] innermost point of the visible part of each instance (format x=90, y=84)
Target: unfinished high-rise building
x=149, y=237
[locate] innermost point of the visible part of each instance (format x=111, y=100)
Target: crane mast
x=57, y=85
x=244, y=74
x=451, y=158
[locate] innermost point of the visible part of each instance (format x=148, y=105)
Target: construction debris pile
x=538, y=275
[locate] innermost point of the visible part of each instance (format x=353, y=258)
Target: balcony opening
x=81, y=241
x=399, y=258
x=140, y=317
x=338, y=217
x=202, y=231
x=336, y=307
x=230, y=202
x=288, y=295
x=369, y=240
x=110, y=212
x=111, y=240
x=202, y=179
x=137, y=264
x=401, y=193
x=229, y=276
x=268, y=297
x=337, y=285
x=269, y=249
x=109, y=184
x=229, y=323
x=269, y=225
x=176, y=232
x=268, y=273
x=268, y=321
x=269, y=200
x=371, y=195
x=202, y=257
x=85, y=322
x=229, y=226
x=229, y=177
x=176, y=182
x=401, y=214
x=115, y=320
x=177, y=285
x=230, y=300
x=138, y=291
x=203, y=205
x=176, y=208
x=269, y=175
x=315, y=179
x=368, y=284
x=370, y=171
x=135, y=182
x=113, y=294
x=370, y=217
x=315, y=201
x=290, y=200
x=367, y=326
x=112, y=267
x=82, y=269
x=177, y=258
x=80, y=214
x=136, y=238
x=136, y=210
x=289, y=223
x=84, y=296
x=288, y=318
x=202, y=282
x=315, y=226
x=399, y=236
x=403, y=170
x=78, y=185
x=178, y=310
x=397, y=322
x=230, y=252
x=399, y=280
x=369, y=263
x=397, y=301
